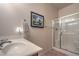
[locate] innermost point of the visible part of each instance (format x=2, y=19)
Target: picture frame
x=37, y=20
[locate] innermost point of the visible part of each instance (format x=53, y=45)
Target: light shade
x=19, y=29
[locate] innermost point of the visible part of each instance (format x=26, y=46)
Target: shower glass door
x=70, y=33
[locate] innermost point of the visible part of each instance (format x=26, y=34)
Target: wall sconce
x=19, y=30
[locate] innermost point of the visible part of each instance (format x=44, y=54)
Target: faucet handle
x=3, y=40
x=9, y=41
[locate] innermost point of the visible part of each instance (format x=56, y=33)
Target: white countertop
x=31, y=47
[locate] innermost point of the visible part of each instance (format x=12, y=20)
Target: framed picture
x=37, y=20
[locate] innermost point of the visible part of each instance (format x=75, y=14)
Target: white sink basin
x=15, y=49
x=20, y=47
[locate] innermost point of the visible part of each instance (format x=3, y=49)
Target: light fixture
x=19, y=29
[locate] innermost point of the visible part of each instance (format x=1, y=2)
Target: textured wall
x=73, y=8
x=12, y=15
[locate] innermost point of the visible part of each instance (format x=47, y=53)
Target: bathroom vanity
x=19, y=47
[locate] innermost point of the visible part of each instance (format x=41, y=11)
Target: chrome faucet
x=3, y=42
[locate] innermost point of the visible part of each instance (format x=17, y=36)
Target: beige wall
x=74, y=8
x=12, y=15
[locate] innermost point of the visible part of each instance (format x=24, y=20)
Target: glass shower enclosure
x=67, y=33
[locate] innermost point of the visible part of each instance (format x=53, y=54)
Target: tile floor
x=51, y=53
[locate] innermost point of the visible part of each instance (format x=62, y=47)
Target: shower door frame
x=61, y=31
x=60, y=35
x=54, y=32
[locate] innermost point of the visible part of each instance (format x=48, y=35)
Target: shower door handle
x=61, y=34
x=60, y=38
x=56, y=29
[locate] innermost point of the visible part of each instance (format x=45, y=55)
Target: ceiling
x=60, y=5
